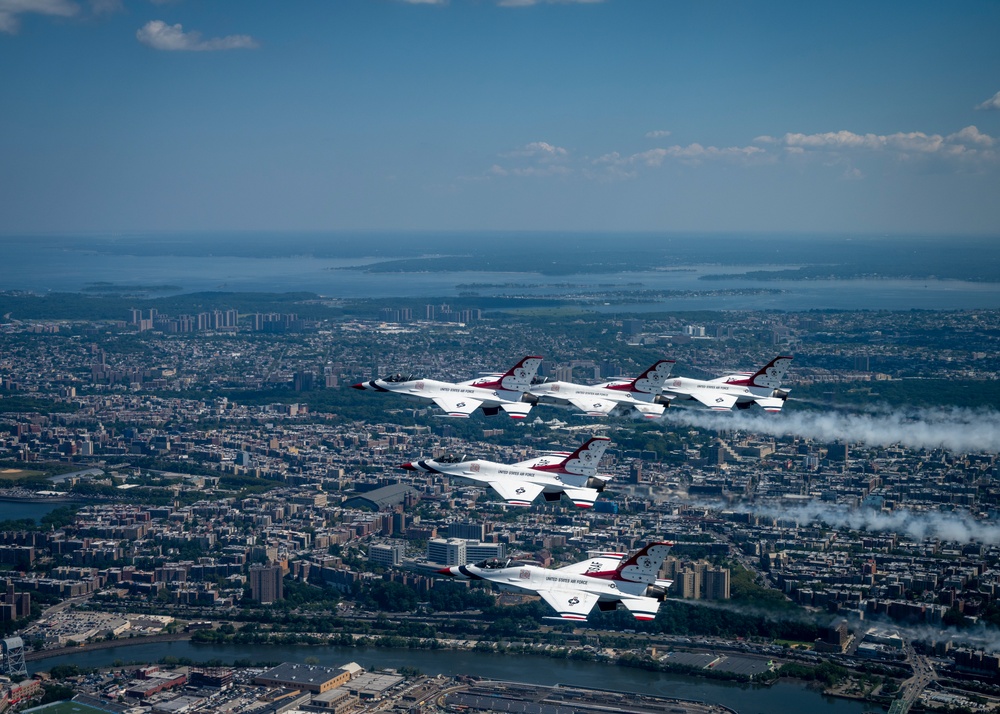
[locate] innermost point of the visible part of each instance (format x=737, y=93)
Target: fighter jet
x=741, y=390
x=492, y=392
x=621, y=395
x=608, y=579
x=551, y=474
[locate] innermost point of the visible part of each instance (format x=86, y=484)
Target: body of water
x=17, y=510
x=786, y=696
x=45, y=267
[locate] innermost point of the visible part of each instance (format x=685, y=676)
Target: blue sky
x=648, y=115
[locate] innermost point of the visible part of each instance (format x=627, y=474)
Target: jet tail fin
x=516, y=379
x=651, y=381
x=771, y=374
x=583, y=461
x=644, y=566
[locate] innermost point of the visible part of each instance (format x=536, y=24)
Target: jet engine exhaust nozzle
x=780, y=394
x=596, y=483
x=657, y=592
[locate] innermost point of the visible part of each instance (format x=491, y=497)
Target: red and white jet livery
x=741, y=390
x=492, y=392
x=552, y=474
x=606, y=580
x=620, y=395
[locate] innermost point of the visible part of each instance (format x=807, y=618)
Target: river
x=16, y=510
x=785, y=696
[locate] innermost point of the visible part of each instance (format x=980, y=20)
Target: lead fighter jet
x=551, y=474
x=641, y=393
x=492, y=392
x=607, y=580
x=741, y=390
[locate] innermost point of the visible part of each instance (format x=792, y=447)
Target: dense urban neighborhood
x=210, y=476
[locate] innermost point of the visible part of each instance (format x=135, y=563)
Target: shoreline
x=42, y=655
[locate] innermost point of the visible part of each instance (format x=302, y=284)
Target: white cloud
x=544, y=170
x=967, y=144
x=539, y=158
x=963, y=150
x=161, y=36
x=991, y=103
x=657, y=134
x=543, y=149
x=692, y=154
x=11, y=10
x=971, y=135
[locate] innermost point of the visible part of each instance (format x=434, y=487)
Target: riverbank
x=782, y=696
x=610, y=662
x=38, y=655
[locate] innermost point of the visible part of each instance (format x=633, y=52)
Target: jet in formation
x=618, y=396
x=491, y=393
x=551, y=474
x=606, y=580
x=741, y=390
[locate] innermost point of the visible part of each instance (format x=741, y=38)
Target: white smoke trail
x=958, y=430
x=956, y=526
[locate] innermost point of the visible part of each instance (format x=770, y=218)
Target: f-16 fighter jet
x=572, y=591
x=622, y=395
x=492, y=392
x=551, y=474
x=741, y=390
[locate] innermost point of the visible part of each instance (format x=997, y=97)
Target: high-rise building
x=467, y=530
x=688, y=584
x=476, y=551
x=266, y=584
x=449, y=551
x=837, y=452
x=717, y=583
x=387, y=554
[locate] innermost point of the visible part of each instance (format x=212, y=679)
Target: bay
x=58, y=266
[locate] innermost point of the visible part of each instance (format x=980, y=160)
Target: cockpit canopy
x=450, y=458
x=493, y=564
x=541, y=380
x=398, y=378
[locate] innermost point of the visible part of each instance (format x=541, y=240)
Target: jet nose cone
x=408, y=466
x=445, y=571
x=359, y=385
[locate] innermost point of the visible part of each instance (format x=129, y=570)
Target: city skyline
x=509, y=115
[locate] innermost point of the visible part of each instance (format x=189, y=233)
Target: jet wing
x=517, y=493
x=650, y=411
x=715, y=400
x=593, y=406
x=544, y=460
x=598, y=564
x=642, y=608
x=457, y=406
x=582, y=497
x=570, y=604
